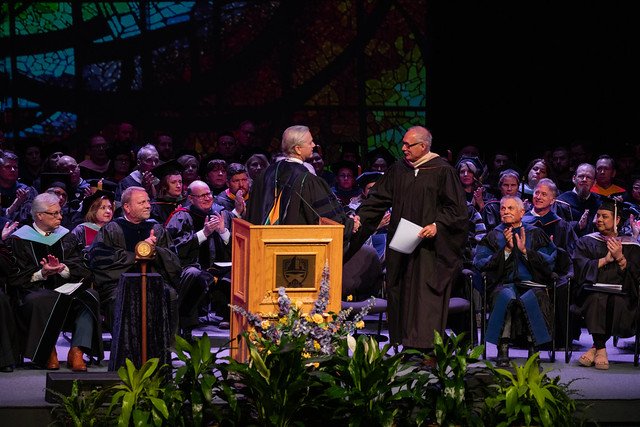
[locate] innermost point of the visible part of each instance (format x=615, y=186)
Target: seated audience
x=98, y=164
x=603, y=257
x=508, y=185
x=582, y=202
x=112, y=252
x=236, y=196
x=170, y=191
x=142, y=176
x=513, y=254
x=345, y=187
x=46, y=258
x=15, y=197
x=605, y=173
x=201, y=238
x=256, y=164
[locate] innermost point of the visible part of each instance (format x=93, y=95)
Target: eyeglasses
x=53, y=214
x=407, y=145
x=202, y=196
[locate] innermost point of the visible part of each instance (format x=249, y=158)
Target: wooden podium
x=267, y=257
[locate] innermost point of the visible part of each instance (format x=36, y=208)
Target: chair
x=636, y=344
x=379, y=308
x=460, y=305
x=483, y=326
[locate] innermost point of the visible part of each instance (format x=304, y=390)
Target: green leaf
x=128, y=400
x=160, y=406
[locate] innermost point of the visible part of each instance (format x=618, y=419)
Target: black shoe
x=503, y=361
x=224, y=326
x=6, y=369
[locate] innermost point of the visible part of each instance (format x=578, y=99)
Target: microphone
x=308, y=205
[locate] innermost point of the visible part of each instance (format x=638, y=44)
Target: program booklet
x=531, y=284
x=611, y=286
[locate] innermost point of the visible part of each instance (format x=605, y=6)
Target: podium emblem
x=296, y=271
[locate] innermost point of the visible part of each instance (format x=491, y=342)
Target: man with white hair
x=46, y=257
x=287, y=193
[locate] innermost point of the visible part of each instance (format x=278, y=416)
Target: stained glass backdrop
x=354, y=70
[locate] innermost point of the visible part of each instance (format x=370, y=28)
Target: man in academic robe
x=201, y=237
x=112, y=252
x=15, y=197
x=287, y=193
x=424, y=189
x=603, y=257
x=514, y=254
x=235, y=198
x=562, y=234
x=582, y=201
x=8, y=348
x=46, y=258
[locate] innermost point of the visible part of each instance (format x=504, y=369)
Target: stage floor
x=611, y=394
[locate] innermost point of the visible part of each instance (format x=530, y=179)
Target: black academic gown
x=419, y=284
x=197, y=260
x=42, y=312
x=607, y=313
x=577, y=208
x=304, y=197
x=111, y=256
x=112, y=253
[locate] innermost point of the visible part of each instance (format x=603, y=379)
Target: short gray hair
x=126, y=194
x=293, y=137
x=518, y=200
x=549, y=183
x=422, y=135
x=42, y=201
x=145, y=151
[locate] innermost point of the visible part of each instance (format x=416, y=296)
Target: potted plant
x=527, y=397
x=454, y=402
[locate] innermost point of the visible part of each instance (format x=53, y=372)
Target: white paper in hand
x=68, y=288
x=406, y=237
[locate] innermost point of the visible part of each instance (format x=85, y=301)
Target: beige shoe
x=601, y=360
x=588, y=358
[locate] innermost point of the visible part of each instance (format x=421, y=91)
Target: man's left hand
x=428, y=231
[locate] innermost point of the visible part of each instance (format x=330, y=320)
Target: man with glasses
x=423, y=189
x=583, y=202
x=46, y=257
x=201, y=237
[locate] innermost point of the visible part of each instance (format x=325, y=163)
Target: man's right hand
x=583, y=219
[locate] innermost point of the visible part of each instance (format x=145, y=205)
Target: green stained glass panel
x=43, y=17
x=386, y=128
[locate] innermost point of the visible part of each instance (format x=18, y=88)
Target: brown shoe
x=75, y=360
x=52, y=362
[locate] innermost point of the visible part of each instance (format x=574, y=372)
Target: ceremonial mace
x=144, y=252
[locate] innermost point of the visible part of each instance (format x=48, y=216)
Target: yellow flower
x=316, y=345
x=317, y=318
x=283, y=320
x=360, y=324
x=265, y=324
x=306, y=355
x=349, y=297
x=298, y=303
